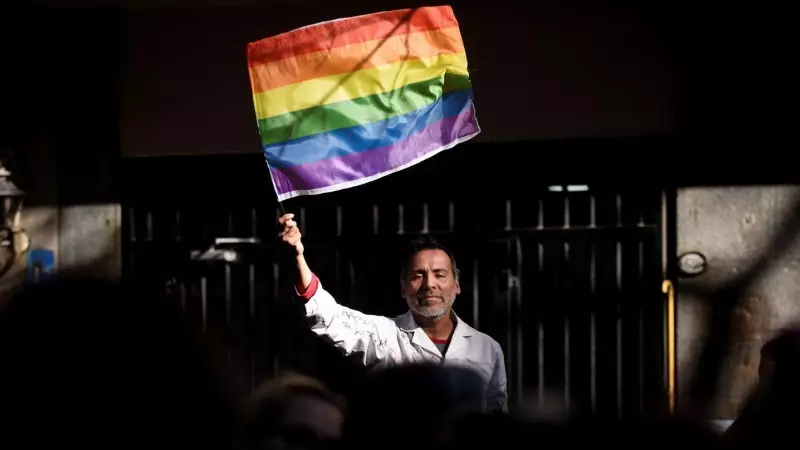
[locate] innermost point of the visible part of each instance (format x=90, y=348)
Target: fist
x=290, y=233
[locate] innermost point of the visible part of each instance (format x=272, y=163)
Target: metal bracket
x=227, y=249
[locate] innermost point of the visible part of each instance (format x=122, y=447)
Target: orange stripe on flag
x=328, y=35
x=349, y=58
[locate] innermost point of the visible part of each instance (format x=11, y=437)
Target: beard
x=435, y=309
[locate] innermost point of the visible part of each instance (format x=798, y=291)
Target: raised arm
x=349, y=330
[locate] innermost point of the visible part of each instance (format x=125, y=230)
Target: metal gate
x=565, y=277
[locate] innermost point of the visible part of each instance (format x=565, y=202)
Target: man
x=429, y=332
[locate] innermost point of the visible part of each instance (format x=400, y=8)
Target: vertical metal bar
x=253, y=222
x=669, y=289
x=664, y=225
x=640, y=309
x=132, y=252
x=475, y=294
x=337, y=266
x=540, y=324
x=149, y=235
x=540, y=360
x=508, y=215
x=132, y=216
x=228, y=310
x=275, y=280
x=178, y=231
x=519, y=327
x=509, y=353
x=400, y=219
x=592, y=315
x=228, y=296
x=619, y=315
x=251, y=297
x=204, y=302
x=337, y=250
x=339, y=220
x=252, y=371
x=540, y=218
x=425, y=219
x=276, y=273
x=183, y=297
x=567, y=358
x=451, y=216
x=593, y=330
x=375, y=220
x=351, y=277
x=567, y=390
x=510, y=360
x=640, y=305
x=251, y=290
x=669, y=326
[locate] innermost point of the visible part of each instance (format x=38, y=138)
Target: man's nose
x=427, y=279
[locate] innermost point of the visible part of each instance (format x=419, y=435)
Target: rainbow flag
x=345, y=102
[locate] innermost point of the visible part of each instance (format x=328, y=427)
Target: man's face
x=430, y=286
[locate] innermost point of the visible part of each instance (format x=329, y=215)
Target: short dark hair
x=264, y=407
x=425, y=242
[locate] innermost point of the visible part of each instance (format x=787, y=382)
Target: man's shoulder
x=405, y=321
x=483, y=338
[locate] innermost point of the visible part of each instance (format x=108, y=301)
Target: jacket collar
x=459, y=341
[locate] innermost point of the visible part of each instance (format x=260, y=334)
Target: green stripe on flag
x=359, y=111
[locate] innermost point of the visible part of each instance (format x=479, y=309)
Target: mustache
x=422, y=295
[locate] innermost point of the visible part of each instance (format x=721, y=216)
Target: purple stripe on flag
x=371, y=163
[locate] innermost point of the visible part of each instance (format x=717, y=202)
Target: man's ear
x=458, y=288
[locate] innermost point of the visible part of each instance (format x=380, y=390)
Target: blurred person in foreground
x=89, y=364
x=419, y=406
x=430, y=332
x=291, y=412
x=772, y=412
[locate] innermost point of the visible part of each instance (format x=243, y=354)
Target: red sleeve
x=306, y=294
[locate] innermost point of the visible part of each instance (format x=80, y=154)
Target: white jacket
x=385, y=342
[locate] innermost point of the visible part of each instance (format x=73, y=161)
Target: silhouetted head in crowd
x=412, y=406
x=291, y=412
x=780, y=356
x=771, y=411
x=87, y=364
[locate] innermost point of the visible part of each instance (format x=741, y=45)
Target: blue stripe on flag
x=337, y=143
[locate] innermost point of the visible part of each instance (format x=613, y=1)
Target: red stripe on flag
x=329, y=35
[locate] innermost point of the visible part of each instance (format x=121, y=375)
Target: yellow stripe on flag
x=347, y=86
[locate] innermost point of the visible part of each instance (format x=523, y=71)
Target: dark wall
x=59, y=107
x=737, y=95
x=547, y=70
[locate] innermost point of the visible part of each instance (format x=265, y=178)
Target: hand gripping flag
x=345, y=102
